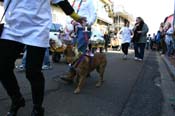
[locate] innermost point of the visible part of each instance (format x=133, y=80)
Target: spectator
x=162, y=39
x=169, y=38
x=148, y=41
x=139, y=38
x=106, y=38
x=125, y=38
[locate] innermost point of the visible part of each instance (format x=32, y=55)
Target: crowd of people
x=164, y=40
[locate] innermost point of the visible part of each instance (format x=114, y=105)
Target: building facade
x=104, y=15
x=120, y=15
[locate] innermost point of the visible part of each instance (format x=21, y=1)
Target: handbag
x=2, y=24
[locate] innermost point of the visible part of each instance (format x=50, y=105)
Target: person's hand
x=82, y=20
x=73, y=22
x=78, y=18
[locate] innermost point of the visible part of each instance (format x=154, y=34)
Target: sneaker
x=21, y=67
x=70, y=65
x=89, y=53
x=46, y=67
x=125, y=57
x=135, y=58
x=139, y=59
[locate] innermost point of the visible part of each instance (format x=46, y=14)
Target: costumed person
x=85, y=8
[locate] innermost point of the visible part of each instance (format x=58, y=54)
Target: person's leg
x=34, y=61
x=23, y=62
x=46, y=58
x=46, y=62
x=123, y=48
x=168, y=49
x=10, y=51
x=136, y=50
x=142, y=50
x=126, y=48
x=82, y=39
x=164, y=48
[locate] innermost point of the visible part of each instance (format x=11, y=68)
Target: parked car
x=115, y=43
x=54, y=31
x=55, y=42
x=97, y=40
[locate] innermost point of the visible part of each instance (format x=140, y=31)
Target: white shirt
x=28, y=21
x=125, y=35
x=87, y=9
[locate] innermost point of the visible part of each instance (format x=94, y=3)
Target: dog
x=82, y=68
x=69, y=54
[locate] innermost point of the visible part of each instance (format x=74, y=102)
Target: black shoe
x=67, y=80
x=38, y=112
x=16, y=105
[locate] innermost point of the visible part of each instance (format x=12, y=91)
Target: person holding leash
x=87, y=9
x=27, y=22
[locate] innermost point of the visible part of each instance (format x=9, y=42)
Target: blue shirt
x=28, y=21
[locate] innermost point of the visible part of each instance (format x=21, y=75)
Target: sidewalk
x=168, y=85
x=170, y=63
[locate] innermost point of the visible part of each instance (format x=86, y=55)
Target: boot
x=16, y=105
x=37, y=111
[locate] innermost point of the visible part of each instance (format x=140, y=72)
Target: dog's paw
x=77, y=91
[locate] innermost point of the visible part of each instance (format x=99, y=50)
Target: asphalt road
x=130, y=89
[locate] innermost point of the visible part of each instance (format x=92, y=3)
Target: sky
x=152, y=11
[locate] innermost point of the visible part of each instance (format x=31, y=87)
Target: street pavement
x=131, y=88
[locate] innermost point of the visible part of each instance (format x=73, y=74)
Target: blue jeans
x=139, y=49
x=82, y=39
x=46, y=60
x=23, y=62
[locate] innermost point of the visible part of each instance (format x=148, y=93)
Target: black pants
x=10, y=51
x=125, y=48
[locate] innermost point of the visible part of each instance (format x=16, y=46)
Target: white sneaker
x=46, y=67
x=139, y=59
x=69, y=64
x=90, y=54
x=124, y=57
x=20, y=67
x=135, y=58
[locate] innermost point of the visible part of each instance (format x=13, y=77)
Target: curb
x=170, y=67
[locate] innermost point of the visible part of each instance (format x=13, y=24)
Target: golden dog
x=84, y=66
x=69, y=54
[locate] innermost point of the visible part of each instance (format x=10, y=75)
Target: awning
x=109, y=21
